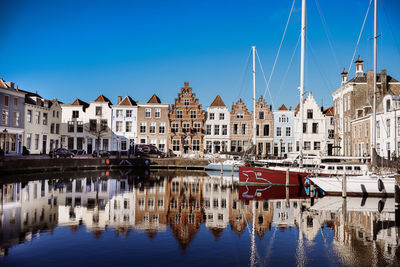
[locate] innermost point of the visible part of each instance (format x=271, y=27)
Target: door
x=44, y=144
x=330, y=149
x=89, y=145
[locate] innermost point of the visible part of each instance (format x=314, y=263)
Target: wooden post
x=287, y=176
x=344, y=186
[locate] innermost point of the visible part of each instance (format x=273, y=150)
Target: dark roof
x=102, y=98
x=329, y=111
x=359, y=60
x=359, y=79
x=127, y=101
x=344, y=71
x=283, y=107
x=217, y=102
x=154, y=99
x=79, y=102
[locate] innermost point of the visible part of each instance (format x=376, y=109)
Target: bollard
x=287, y=176
x=344, y=186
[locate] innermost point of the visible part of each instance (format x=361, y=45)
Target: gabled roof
x=127, y=101
x=154, y=99
x=329, y=111
x=3, y=84
x=217, y=102
x=79, y=102
x=102, y=98
x=283, y=107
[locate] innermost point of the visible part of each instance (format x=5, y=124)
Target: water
x=103, y=219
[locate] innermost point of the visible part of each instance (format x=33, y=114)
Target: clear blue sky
x=70, y=49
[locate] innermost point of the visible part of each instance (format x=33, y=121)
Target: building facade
x=186, y=123
x=264, y=128
x=241, y=127
x=283, y=131
x=153, y=123
x=217, y=127
x=12, y=118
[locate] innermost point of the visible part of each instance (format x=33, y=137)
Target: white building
x=42, y=124
x=217, y=138
x=315, y=134
x=124, y=124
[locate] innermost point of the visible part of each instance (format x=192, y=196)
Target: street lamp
x=5, y=137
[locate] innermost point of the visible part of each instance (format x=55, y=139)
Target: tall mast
x=254, y=99
x=373, y=163
x=301, y=88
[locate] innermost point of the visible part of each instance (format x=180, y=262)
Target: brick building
x=264, y=128
x=241, y=127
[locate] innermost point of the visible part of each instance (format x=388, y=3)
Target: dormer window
x=388, y=105
x=98, y=111
x=186, y=102
x=309, y=114
x=75, y=114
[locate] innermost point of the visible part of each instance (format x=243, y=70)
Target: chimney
x=186, y=84
x=322, y=108
x=344, y=76
x=119, y=99
x=359, y=66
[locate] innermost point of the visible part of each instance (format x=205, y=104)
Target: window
x=161, y=145
x=6, y=97
x=37, y=117
x=266, y=129
x=128, y=126
x=211, y=116
x=129, y=113
x=28, y=140
x=290, y=148
x=36, y=141
x=304, y=127
x=52, y=126
x=29, y=115
x=366, y=130
x=388, y=105
x=359, y=130
x=118, y=126
x=98, y=111
x=388, y=128
x=104, y=125
x=317, y=145
x=57, y=128
x=196, y=145
x=16, y=118
x=378, y=130
x=15, y=102
x=185, y=127
x=261, y=115
x=161, y=128
x=175, y=144
x=309, y=113
x=175, y=127
x=75, y=114
x=197, y=127
x=216, y=129
x=147, y=113
x=193, y=114
x=278, y=131
x=257, y=129
x=208, y=129
x=239, y=116
x=355, y=131
x=179, y=114
x=70, y=126
x=307, y=145
x=186, y=102
x=152, y=128
x=331, y=134
x=221, y=116
x=45, y=118
x=235, y=128
x=93, y=125
x=297, y=145
x=79, y=127
x=224, y=129
x=315, y=127
x=119, y=113
x=142, y=127
x=157, y=113
x=288, y=131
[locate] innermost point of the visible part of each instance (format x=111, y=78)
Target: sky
x=80, y=49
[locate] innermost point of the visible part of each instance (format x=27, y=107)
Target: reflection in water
x=364, y=230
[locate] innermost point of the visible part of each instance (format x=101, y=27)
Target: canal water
x=196, y=219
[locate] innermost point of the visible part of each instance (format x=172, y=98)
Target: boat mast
x=254, y=99
x=301, y=88
x=373, y=147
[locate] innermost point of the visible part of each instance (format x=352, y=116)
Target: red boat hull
x=256, y=175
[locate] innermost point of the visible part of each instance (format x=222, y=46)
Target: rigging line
x=288, y=67
x=279, y=50
x=359, y=36
x=327, y=32
x=265, y=80
x=246, y=66
x=390, y=27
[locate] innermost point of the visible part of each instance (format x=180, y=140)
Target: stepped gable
x=283, y=107
x=329, y=111
x=127, y=101
x=102, y=98
x=240, y=106
x=154, y=100
x=217, y=102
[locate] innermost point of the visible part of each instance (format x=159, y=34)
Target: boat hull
x=255, y=175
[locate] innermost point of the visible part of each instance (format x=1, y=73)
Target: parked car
x=61, y=153
x=78, y=151
x=101, y=153
x=148, y=151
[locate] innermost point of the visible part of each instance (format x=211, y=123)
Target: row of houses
x=183, y=127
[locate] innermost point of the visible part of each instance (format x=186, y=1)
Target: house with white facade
x=284, y=140
x=217, y=127
x=388, y=128
x=124, y=124
x=314, y=130
x=42, y=124
x=12, y=118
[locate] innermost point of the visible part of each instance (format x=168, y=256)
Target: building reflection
x=153, y=204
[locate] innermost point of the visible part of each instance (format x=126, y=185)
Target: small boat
x=226, y=165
